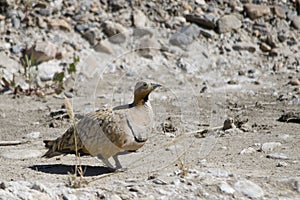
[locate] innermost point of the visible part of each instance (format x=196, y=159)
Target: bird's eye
x=145, y=85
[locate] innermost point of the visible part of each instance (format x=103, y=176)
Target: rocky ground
x=227, y=116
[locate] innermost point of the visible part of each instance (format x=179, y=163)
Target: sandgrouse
x=106, y=132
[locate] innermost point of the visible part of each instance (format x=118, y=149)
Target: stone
x=279, y=11
x=224, y=187
x=277, y=156
x=104, y=46
x=270, y=146
x=139, y=19
x=204, y=21
x=148, y=46
x=256, y=11
x=42, y=51
x=264, y=47
x=244, y=47
x=47, y=70
x=10, y=66
x=249, y=150
x=296, y=22
x=33, y=135
x=59, y=24
x=294, y=82
x=218, y=172
x=249, y=189
x=21, y=154
x=90, y=36
x=115, y=31
x=185, y=36
x=228, y=23
x=228, y=124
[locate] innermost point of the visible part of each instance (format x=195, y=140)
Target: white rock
x=249, y=150
x=33, y=135
x=21, y=154
x=249, y=189
x=218, y=172
x=48, y=69
x=270, y=146
x=224, y=187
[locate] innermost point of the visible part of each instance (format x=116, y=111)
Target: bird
x=107, y=132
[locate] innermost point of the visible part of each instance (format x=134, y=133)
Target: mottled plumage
x=106, y=132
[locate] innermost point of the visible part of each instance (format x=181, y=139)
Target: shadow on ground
x=65, y=169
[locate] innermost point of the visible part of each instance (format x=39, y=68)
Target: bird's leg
x=105, y=161
x=118, y=164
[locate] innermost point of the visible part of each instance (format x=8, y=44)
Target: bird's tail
x=65, y=145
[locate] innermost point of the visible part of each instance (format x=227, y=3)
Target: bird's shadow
x=66, y=169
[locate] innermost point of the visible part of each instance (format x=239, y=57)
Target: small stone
x=256, y=11
x=148, y=46
x=185, y=36
x=296, y=22
x=281, y=164
x=33, y=135
x=218, y=172
x=16, y=49
x=277, y=156
x=249, y=189
x=21, y=154
x=90, y=36
x=244, y=47
x=59, y=24
x=204, y=21
x=139, y=19
x=104, y=46
x=2, y=17
x=224, y=187
x=264, y=47
x=294, y=82
x=115, y=31
x=228, y=124
x=249, y=150
x=279, y=11
x=48, y=69
x=42, y=51
x=270, y=146
x=228, y=23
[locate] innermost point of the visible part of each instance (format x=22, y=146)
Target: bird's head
x=142, y=90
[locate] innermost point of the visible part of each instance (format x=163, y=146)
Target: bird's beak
x=155, y=85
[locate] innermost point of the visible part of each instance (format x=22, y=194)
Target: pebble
x=104, y=46
x=255, y=11
x=218, y=172
x=33, y=135
x=249, y=189
x=249, y=150
x=204, y=21
x=42, y=51
x=115, y=31
x=21, y=154
x=48, y=69
x=296, y=22
x=277, y=156
x=270, y=146
x=228, y=23
x=185, y=36
x=224, y=187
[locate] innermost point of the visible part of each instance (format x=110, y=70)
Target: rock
x=10, y=67
x=204, y=21
x=218, y=172
x=256, y=11
x=270, y=146
x=41, y=52
x=279, y=11
x=59, y=24
x=249, y=189
x=296, y=22
x=228, y=124
x=90, y=36
x=104, y=46
x=47, y=70
x=115, y=197
x=21, y=154
x=16, y=49
x=264, y=47
x=185, y=36
x=281, y=164
x=148, y=47
x=244, y=47
x=139, y=19
x=277, y=156
x=115, y=31
x=249, y=150
x=33, y=135
x=186, y=66
x=294, y=82
x=228, y=23
x=224, y=187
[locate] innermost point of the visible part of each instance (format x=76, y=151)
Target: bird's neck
x=140, y=101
